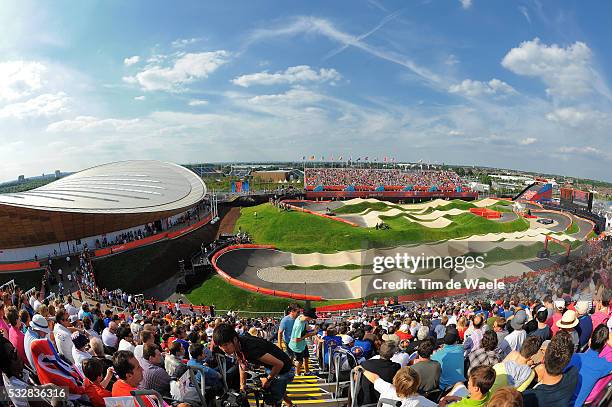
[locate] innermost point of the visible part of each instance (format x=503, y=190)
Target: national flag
x=358, y=158
x=385, y=159
x=365, y=158
x=312, y=157
x=50, y=368
x=340, y=158
x=303, y=157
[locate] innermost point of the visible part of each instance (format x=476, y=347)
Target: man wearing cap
x=585, y=324
x=451, y=359
x=38, y=329
x=517, y=336
x=568, y=323
x=299, y=334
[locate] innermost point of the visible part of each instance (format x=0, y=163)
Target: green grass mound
x=572, y=229
x=363, y=206
x=300, y=232
x=225, y=296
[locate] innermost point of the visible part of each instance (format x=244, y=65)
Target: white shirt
x=402, y=358
x=92, y=333
x=138, y=354
x=516, y=339
x=125, y=345
x=109, y=338
x=71, y=309
x=387, y=391
x=79, y=356
x=63, y=341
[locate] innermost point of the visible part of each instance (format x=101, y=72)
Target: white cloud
x=524, y=12
x=466, y=4
x=295, y=96
x=574, y=117
x=141, y=97
x=185, y=69
x=20, y=78
x=183, y=42
x=198, y=102
x=568, y=72
x=587, y=151
x=90, y=124
x=292, y=75
x=451, y=60
x=44, y=105
x=131, y=60
x=455, y=133
x=527, y=141
x=473, y=88
x=313, y=25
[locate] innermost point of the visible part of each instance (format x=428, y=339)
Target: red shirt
x=403, y=335
x=96, y=393
x=121, y=388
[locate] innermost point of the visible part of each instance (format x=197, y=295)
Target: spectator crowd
x=442, y=179
x=547, y=341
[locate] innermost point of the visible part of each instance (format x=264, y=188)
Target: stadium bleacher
x=560, y=319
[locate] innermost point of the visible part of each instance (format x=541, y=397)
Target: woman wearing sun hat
x=568, y=323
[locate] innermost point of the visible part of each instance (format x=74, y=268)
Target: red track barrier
x=251, y=287
x=297, y=208
x=151, y=239
x=184, y=231
x=28, y=265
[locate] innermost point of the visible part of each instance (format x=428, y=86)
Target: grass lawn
x=572, y=229
x=225, y=296
x=522, y=252
x=300, y=232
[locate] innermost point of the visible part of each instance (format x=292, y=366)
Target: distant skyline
x=520, y=85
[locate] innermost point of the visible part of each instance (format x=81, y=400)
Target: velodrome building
x=100, y=202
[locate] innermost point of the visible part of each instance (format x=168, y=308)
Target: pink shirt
x=4, y=326
x=556, y=317
x=606, y=353
x=598, y=318
x=17, y=337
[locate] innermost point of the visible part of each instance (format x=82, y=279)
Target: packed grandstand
x=373, y=177
x=545, y=340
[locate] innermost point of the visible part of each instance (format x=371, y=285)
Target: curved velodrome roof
x=120, y=187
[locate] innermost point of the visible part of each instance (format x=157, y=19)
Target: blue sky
x=517, y=84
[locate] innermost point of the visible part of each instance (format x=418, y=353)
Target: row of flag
x=385, y=159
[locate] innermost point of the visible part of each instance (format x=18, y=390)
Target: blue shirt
x=590, y=369
x=211, y=376
x=366, y=346
x=286, y=325
x=333, y=341
x=584, y=329
x=450, y=358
